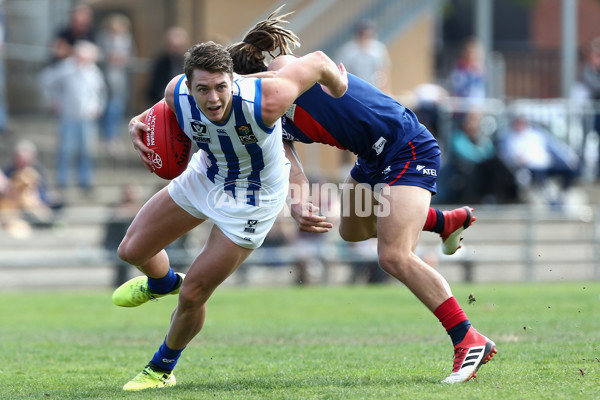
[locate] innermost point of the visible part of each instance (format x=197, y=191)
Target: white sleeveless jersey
x=243, y=156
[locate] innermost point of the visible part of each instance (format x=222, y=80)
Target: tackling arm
x=303, y=211
x=279, y=92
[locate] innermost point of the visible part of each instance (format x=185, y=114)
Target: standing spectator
x=367, y=57
x=468, y=77
x=76, y=92
x=590, y=76
x=80, y=26
x=168, y=63
x=116, y=43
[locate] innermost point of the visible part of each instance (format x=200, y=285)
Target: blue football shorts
x=415, y=164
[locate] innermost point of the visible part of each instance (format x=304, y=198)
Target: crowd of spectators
x=497, y=155
x=488, y=157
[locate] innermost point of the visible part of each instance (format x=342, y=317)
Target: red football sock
x=450, y=313
x=435, y=221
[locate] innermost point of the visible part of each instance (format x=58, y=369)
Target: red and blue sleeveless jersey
x=364, y=120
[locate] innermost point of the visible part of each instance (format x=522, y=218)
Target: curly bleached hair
x=249, y=55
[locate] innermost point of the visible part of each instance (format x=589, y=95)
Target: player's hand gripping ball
x=171, y=145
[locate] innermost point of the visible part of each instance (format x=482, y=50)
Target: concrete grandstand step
x=59, y=236
x=105, y=194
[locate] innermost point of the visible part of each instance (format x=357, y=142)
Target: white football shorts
x=244, y=224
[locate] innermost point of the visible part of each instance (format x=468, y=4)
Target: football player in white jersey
x=239, y=181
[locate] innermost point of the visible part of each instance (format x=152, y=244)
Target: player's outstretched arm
x=303, y=211
x=279, y=92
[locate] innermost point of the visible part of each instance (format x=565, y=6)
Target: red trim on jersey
x=313, y=129
x=412, y=149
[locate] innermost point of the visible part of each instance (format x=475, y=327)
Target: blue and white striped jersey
x=241, y=154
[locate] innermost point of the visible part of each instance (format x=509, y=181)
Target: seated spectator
x=474, y=173
x=10, y=219
x=28, y=185
x=534, y=155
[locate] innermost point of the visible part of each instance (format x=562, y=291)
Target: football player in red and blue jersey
x=398, y=161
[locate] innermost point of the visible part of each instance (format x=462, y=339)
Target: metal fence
x=507, y=243
x=569, y=120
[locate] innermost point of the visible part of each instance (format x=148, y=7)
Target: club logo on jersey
x=251, y=226
x=245, y=134
x=379, y=144
x=199, y=132
x=426, y=171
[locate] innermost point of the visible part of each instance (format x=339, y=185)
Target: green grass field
x=355, y=342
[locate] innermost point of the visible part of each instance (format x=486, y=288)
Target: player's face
x=212, y=92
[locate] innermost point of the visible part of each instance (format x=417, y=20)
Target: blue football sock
x=165, y=358
x=165, y=284
x=458, y=333
x=440, y=222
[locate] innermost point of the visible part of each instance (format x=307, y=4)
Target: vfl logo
x=198, y=127
x=426, y=171
x=379, y=144
x=245, y=134
x=156, y=160
x=199, y=132
x=251, y=226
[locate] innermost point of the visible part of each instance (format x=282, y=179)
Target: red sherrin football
x=171, y=145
